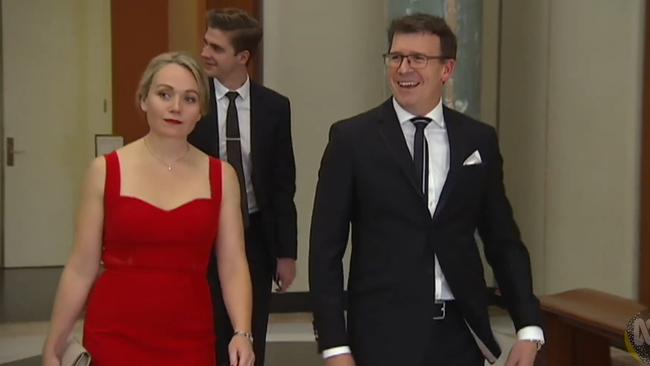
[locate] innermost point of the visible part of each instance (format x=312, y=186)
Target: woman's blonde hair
x=181, y=59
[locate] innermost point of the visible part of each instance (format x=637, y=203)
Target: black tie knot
x=232, y=95
x=420, y=122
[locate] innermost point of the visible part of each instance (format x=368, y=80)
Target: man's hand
x=340, y=360
x=285, y=274
x=522, y=354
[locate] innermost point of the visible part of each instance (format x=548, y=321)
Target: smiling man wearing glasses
x=415, y=180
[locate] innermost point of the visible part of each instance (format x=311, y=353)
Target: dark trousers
x=262, y=268
x=452, y=343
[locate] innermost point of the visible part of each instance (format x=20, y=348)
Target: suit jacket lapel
x=454, y=135
x=391, y=132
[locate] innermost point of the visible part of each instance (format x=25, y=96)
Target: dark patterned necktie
x=421, y=155
x=233, y=150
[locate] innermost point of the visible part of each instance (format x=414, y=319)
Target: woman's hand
x=240, y=350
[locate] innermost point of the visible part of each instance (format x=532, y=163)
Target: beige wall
x=326, y=57
x=522, y=123
x=570, y=111
x=490, y=61
x=56, y=78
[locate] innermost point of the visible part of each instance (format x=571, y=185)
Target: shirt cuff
x=531, y=333
x=336, y=351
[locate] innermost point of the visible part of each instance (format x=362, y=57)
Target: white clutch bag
x=75, y=355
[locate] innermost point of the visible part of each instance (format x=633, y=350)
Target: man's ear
x=448, y=70
x=244, y=56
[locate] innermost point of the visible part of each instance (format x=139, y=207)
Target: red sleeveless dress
x=152, y=304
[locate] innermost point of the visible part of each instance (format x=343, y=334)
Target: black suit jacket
x=367, y=179
x=273, y=165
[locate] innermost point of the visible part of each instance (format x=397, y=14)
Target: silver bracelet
x=248, y=335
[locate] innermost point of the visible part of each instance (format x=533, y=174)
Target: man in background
x=250, y=127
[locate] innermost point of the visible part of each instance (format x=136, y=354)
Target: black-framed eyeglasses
x=416, y=60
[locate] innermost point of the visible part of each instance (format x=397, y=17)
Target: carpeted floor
x=292, y=353
x=277, y=354
x=304, y=354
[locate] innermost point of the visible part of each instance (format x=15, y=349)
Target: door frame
x=2, y=151
x=644, y=250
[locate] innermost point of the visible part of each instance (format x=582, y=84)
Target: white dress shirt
x=243, y=104
x=436, y=135
x=438, y=145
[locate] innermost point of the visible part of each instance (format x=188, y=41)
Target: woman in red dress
x=152, y=213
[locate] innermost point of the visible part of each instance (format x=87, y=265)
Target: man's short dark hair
x=427, y=24
x=245, y=31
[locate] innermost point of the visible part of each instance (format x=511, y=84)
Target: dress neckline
x=147, y=203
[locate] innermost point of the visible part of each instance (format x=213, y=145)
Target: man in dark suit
x=414, y=180
x=249, y=126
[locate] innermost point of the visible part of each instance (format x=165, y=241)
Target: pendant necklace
x=169, y=166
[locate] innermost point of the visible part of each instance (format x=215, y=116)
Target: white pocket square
x=473, y=159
